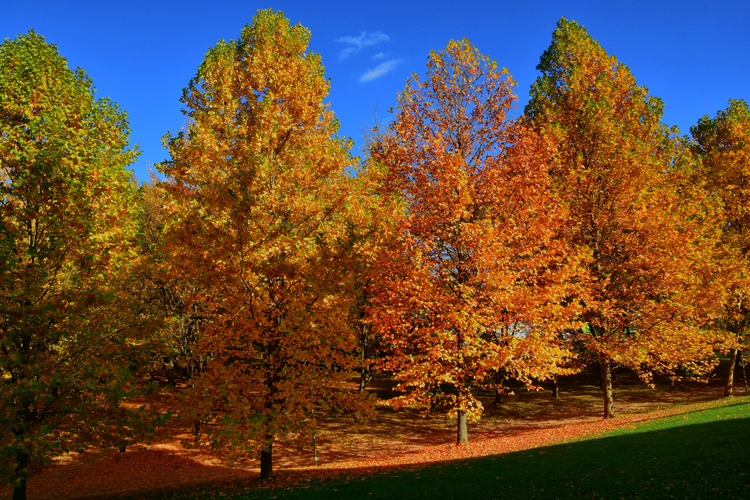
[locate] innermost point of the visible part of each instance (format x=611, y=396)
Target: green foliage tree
x=722, y=144
x=66, y=227
x=258, y=207
x=622, y=175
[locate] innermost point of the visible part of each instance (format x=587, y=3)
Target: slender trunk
x=266, y=459
x=196, y=432
x=729, y=387
x=606, y=373
x=365, y=375
x=463, y=430
x=555, y=388
x=22, y=469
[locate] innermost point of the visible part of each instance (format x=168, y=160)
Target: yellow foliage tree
x=259, y=203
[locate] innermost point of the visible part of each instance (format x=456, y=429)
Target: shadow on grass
x=704, y=460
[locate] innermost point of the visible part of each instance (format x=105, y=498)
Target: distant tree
x=476, y=279
x=163, y=296
x=67, y=223
x=259, y=203
x=722, y=144
x=622, y=176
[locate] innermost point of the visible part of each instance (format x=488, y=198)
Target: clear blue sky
x=694, y=55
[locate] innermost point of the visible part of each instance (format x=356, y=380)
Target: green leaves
x=67, y=223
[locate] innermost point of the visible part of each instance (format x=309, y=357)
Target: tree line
x=467, y=248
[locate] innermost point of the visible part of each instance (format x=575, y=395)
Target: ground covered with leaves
x=393, y=439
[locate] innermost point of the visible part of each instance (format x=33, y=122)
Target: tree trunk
x=498, y=397
x=22, y=470
x=463, y=430
x=365, y=375
x=196, y=432
x=606, y=374
x=729, y=387
x=266, y=459
x=555, y=388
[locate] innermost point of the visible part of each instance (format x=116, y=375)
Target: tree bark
x=22, y=470
x=729, y=387
x=365, y=375
x=463, y=430
x=266, y=459
x=555, y=388
x=498, y=397
x=606, y=373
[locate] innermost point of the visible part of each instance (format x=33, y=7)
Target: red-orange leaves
x=476, y=249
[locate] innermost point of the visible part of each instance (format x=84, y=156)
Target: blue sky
x=694, y=55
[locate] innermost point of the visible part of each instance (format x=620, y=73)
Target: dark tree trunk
x=22, y=470
x=606, y=374
x=365, y=375
x=498, y=396
x=463, y=430
x=741, y=364
x=266, y=460
x=729, y=387
x=196, y=432
x=555, y=388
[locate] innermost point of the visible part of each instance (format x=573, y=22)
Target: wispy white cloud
x=357, y=43
x=379, y=70
x=381, y=55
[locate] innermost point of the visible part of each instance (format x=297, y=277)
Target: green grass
x=698, y=454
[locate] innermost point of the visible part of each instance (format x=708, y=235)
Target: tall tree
x=259, y=201
x=722, y=144
x=66, y=228
x=477, y=278
x=621, y=174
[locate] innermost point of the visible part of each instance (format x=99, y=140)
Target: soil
x=394, y=438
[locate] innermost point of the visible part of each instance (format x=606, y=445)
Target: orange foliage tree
x=722, y=144
x=476, y=281
x=642, y=225
x=259, y=199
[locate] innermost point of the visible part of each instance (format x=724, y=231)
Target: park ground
x=392, y=439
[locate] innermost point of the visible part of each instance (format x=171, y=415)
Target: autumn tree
x=722, y=144
x=66, y=228
x=259, y=204
x=622, y=175
x=476, y=280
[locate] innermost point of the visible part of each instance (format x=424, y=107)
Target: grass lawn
x=698, y=454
